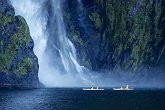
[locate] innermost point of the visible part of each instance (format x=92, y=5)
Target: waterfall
x=65, y=47
x=58, y=64
x=31, y=12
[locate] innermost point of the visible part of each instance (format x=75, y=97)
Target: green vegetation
x=5, y=19
x=95, y=17
x=24, y=33
x=129, y=34
x=75, y=36
x=22, y=36
x=23, y=67
x=138, y=34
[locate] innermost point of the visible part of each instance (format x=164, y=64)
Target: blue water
x=77, y=99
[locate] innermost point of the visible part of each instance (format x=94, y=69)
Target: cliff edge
x=18, y=63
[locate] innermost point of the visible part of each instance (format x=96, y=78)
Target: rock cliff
x=118, y=35
x=18, y=63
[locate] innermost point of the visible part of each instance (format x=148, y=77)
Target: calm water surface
x=77, y=99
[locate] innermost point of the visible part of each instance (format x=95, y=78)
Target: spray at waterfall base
x=56, y=53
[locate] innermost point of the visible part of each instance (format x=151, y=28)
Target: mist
x=58, y=65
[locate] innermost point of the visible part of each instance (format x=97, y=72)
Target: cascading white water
x=31, y=11
x=37, y=18
x=66, y=48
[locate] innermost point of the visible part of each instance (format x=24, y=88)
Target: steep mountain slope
x=118, y=35
x=18, y=64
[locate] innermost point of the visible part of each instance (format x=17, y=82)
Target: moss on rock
x=95, y=18
x=22, y=36
x=23, y=67
x=18, y=63
x=5, y=19
x=74, y=36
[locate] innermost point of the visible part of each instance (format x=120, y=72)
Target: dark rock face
x=19, y=65
x=118, y=35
